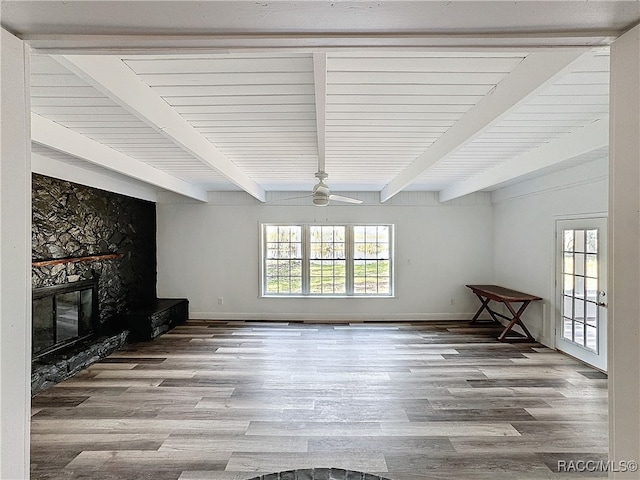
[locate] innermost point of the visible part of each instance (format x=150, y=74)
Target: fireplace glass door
x=62, y=315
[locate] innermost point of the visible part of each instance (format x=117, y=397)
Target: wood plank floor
x=233, y=400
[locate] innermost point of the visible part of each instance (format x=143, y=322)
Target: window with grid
x=283, y=259
x=580, y=287
x=371, y=259
x=325, y=260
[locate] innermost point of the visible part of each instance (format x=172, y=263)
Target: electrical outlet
x=220, y=301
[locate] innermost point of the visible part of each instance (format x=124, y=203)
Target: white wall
x=210, y=251
x=15, y=258
x=623, y=334
x=525, y=218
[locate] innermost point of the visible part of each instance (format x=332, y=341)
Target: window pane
x=371, y=234
x=296, y=234
x=315, y=234
x=316, y=285
x=372, y=285
x=272, y=285
x=567, y=331
x=567, y=284
x=272, y=250
x=383, y=268
x=578, y=334
x=272, y=233
x=592, y=241
x=284, y=285
x=283, y=234
x=283, y=268
x=592, y=314
x=372, y=268
x=316, y=250
x=316, y=268
x=327, y=268
x=568, y=241
x=567, y=307
x=359, y=268
x=360, y=250
x=567, y=265
x=579, y=310
x=296, y=285
x=296, y=268
x=359, y=285
x=592, y=265
x=579, y=240
x=592, y=289
x=327, y=234
x=592, y=338
x=384, y=285
x=284, y=250
x=579, y=265
x=579, y=287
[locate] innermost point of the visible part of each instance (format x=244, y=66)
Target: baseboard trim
x=331, y=317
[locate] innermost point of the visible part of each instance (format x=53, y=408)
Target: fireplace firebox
x=63, y=315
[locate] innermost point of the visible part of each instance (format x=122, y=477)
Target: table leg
x=485, y=304
x=516, y=320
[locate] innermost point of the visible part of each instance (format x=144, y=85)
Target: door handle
x=602, y=293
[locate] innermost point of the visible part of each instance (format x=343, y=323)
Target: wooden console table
x=506, y=296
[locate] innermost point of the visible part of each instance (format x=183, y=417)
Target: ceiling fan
x=322, y=194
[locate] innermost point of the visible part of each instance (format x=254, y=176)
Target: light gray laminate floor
x=233, y=400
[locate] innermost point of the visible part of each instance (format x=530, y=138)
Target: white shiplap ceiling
x=452, y=120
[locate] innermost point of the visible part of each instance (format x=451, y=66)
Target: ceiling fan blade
x=294, y=198
x=340, y=198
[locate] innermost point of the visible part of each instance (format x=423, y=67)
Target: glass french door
x=581, y=290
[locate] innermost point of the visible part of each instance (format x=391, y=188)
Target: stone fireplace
x=94, y=258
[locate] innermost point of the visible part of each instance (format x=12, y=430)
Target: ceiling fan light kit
x=322, y=194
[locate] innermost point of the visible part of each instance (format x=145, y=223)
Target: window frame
x=306, y=261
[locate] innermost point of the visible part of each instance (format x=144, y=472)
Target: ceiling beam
x=111, y=76
x=53, y=135
x=580, y=142
x=534, y=73
x=107, y=180
x=52, y=44
x=320, y=87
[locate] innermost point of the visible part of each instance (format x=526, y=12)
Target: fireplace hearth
x=63, y=315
